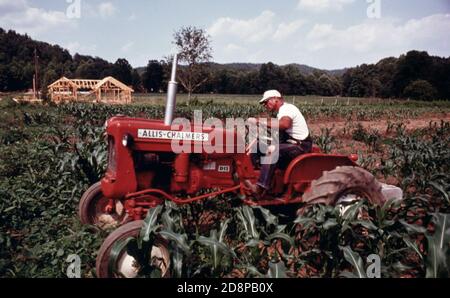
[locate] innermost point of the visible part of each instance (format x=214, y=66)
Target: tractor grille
x=111, y=154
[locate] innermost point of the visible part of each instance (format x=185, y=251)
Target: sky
x=327, y=34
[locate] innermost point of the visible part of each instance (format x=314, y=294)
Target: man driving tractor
x=294, y=139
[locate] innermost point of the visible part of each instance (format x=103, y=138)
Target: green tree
x=295, y=80
x=386, y=69
x=413, y=66
x=194, y=49
x=420, y=89
x=122, y=71
x=361, y=81
x=49, y=77
x=136, y=81
x=153, y=76
x=4, y=78
x=326, y=85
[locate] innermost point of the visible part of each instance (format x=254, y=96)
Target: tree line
x=415, y=75
x=17, y=64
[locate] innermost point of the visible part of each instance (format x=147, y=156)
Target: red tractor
x=143, y=172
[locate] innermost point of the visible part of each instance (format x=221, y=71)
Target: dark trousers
x=287, y=152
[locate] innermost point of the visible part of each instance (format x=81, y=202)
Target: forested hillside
x=415, y=75
x=17, y=64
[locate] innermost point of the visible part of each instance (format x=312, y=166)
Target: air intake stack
x=171, y=93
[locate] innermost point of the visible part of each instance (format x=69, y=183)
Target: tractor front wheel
x=125, y=265
x=345, y=184
x=92, y=209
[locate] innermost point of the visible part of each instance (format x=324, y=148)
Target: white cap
x=269, y=94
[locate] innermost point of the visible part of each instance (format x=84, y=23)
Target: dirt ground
x=381, y=125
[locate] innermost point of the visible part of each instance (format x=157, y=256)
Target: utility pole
x=36, y=78
x=34, y=86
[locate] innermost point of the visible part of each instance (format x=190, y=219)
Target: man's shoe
x=257, y=191
x=253, y=188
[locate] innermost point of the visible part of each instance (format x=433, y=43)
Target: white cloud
x=376, y=39
x=106, y=9
x=384, y=33
x=286, y=30
x=233, y=49
x=127, y=47
x=252, y=30
x=22, y=17
x=322, y=5
x=262, y=39
x=8, y=6
x=254, y=39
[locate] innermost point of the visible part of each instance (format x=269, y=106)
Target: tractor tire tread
x=332, y=183
x=85, y=200
x=130, y=229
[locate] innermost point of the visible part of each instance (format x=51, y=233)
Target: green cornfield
x=51, y=154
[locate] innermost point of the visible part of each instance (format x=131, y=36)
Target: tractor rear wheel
x=126, y=265
x=91, y=209
x=342, y=187
x=344, y=184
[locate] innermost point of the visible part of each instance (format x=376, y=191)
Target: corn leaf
x=356, y=261
x=441, y=189
x=412, y=245
x=149, y=226
x=438, y=247
x=283, y=236
x=223, y=229
x=118, y=248
x=276, y=270
x=268, y=216
x=179, y=239
x=250, y=217
x=177, y=261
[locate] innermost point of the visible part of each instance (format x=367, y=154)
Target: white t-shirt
x=299, y=129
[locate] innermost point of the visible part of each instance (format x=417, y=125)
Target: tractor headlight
x=127, y=140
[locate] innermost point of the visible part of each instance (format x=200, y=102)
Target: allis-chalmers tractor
x=143, y=172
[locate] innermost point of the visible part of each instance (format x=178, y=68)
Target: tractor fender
x=308, y=167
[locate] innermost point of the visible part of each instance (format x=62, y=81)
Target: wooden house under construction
x=108, y=90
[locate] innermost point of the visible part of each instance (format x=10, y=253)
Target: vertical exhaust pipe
x=171, y=93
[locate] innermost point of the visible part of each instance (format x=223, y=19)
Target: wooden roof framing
x=108, y=89
x=115, y=82
x=62, y=82
x=85, y=84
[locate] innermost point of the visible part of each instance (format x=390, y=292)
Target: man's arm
x=283, y=124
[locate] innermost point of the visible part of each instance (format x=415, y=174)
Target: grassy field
x=52, y=154
x=154, y=98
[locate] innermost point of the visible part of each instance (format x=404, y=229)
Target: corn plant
x=239, y=243
x=325, y=140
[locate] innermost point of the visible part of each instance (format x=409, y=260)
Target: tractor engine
x=182, y=173
x=194, y=172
